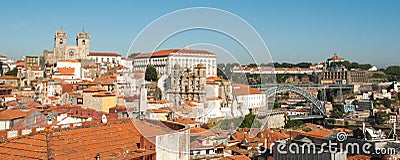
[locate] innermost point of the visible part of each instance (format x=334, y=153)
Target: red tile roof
x=336, y=57
x=104, y=54
x=112, y=141
x=8, y=77
x=94, y=89
x=186, y=121
x=359, y=157
x=66, y=71
x=242, y=89
x=213, y=78
x=197, y=130
x=69, y=60
x=236, y=157
x=164, y=53
x=89, y=67
x=104, y=94
x=319, y=133
x=12, y=114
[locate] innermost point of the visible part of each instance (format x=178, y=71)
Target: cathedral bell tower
x=60, y=44
x=83, y=43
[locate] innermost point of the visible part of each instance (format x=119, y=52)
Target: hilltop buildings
x=71, y=97
x=165, y=60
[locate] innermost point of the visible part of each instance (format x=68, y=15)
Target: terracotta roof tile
x=8, y=77
x=104, y=94
x=197, y=130
x=359, y=157
x=319, y=133
x=104, y=54
x=186, y=121
x=66, y=71
x=112, y=141
x=69, y=60
x=236, y=157
x=242, y=89
x=12, y=114
x=94, y=89
x=164, y=53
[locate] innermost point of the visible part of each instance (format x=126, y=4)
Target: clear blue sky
x=298, y=30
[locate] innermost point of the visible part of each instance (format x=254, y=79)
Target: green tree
x=331, y=121
x=13, y=72
x=228, y=70
x=293, y=123
x=252, y=65
x=381, y=117
x=393, y=70
x=277, y=105
x=346, y=123
x=248, y=120
x=307, y=129
x=132, y=55
x=151, y=73
x=303, y=65
x=336, y=113
x=287, y=65
x=221, y=74
x=221, y=66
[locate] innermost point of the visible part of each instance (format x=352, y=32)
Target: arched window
x=83, y=42
x=61, y=41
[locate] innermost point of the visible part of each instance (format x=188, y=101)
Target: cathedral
x=63, y=51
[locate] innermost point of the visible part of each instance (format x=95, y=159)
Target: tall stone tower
x=83, y=43
x=60, y=44
x=62, y=51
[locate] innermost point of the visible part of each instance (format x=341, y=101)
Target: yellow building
x=99, y=99
x=104, y=101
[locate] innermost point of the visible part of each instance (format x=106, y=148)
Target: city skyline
x=294, y=32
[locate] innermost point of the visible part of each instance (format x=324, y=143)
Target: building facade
x=62, y=50
x=187, y=84
x=164, y=60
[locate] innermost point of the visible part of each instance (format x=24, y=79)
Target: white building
x=250, y=98
x=10, y=117
x=102, y=57
x=68, y=69
x=164, y=60
x=128, y=63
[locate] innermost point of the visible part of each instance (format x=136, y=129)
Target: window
x=83, y=42
x=61, y=41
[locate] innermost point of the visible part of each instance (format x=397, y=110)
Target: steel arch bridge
x=318, y=106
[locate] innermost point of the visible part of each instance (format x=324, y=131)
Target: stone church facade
x=187, y=84
x=63, y=51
